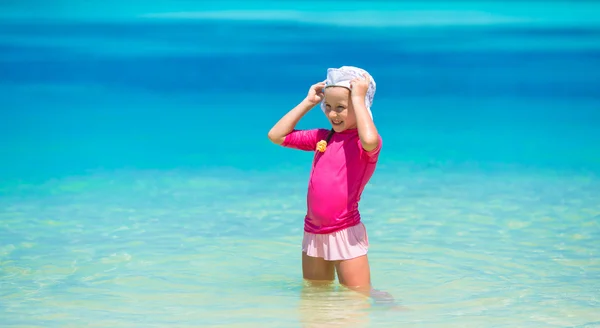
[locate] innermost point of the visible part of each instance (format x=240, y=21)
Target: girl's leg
x=355, y=274
x=317, y=270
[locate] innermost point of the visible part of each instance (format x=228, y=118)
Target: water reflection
x=329, y=305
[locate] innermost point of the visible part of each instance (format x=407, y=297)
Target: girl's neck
x=348, y=131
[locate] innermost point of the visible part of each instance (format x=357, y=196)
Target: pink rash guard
x=337, y=178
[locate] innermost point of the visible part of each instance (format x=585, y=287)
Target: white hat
x=341, y=77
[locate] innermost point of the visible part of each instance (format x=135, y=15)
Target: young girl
x=335, y=239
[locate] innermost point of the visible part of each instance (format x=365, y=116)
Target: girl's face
x=338, y=108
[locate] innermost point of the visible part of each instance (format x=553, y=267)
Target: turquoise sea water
x=138, y=188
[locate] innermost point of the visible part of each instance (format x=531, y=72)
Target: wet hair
x=329, y=135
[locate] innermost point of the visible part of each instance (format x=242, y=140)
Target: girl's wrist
x=358, y=99
x=307, y=102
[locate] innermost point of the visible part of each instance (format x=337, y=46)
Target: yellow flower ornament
x=321, y=145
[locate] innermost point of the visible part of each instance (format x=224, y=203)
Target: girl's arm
x=367, y=132
x=288, y=122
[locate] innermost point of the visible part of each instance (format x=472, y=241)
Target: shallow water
x=138, y=188
x=144, y=248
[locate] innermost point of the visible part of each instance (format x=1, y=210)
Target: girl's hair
x=329, y=135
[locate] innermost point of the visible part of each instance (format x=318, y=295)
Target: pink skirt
x=345, y=244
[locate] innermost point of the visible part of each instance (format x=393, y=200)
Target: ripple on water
x=161, y=248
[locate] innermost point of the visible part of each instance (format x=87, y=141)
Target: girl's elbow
x=369, y=144
x=276, y=139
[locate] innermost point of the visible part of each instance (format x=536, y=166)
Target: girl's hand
x=360, y=86
x=316, y=93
